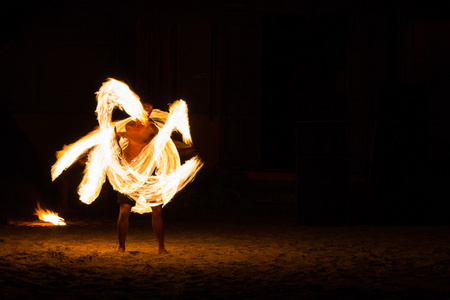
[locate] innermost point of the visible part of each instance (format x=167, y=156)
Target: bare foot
x=121, y=249
x=162, y=251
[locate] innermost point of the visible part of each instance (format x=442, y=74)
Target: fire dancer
x=137, y=155
x=138, y=136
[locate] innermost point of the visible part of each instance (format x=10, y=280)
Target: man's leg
x=158, y=227
x=122, y=225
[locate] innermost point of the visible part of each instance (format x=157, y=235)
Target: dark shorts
x=121, y=198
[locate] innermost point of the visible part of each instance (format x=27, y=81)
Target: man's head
x=147, y=107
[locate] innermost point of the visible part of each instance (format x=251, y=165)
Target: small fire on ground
x=49, y=216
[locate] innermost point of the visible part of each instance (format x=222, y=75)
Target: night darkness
x=327, y=112
x=348, y=97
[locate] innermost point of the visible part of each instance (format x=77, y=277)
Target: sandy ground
x=224, y=258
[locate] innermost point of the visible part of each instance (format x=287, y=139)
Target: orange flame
x=155, y=175
x=49, y=216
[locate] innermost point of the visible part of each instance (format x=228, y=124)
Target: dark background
x=333, y=111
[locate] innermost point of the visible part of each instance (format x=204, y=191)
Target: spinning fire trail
x=155, y=175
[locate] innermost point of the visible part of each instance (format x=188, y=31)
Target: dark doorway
x=304, y=110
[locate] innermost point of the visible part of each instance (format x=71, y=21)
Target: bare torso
x=138, y=136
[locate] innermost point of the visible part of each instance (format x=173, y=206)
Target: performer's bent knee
x=125, y=209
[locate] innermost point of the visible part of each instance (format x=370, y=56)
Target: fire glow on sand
x=49, y=216
x=155, y=175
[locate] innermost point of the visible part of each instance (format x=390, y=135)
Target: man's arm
x=186, y=152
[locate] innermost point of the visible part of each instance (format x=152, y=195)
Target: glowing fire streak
x=49, y=216
x=155, y=175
